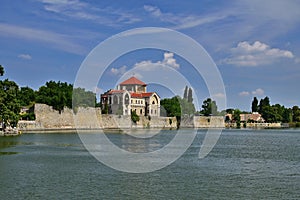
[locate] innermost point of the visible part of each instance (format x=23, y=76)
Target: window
x=141, y=111
x=115, y=99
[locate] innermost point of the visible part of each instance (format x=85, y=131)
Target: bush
x=134, y=117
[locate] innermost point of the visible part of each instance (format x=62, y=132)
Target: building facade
x=131, y=95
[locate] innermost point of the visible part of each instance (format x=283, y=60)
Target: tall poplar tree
x=255, y=105
x=185, y=94
x=190, y=95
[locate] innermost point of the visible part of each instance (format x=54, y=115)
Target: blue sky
x=255, y=44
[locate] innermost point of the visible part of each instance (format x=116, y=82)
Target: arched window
x=126, y=99
x=115, y=100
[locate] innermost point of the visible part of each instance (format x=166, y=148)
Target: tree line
x=276, y=112
x=56, y=94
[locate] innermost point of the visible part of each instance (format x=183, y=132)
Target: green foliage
x=296, y=114
x=209, y=107
x=134, y=117
x=9, y=105
x=187, y=108
x=254, y=106
x=171, y=106
x=185, y=94
x=1, y=70
x=237, y=118
x=26, y=96
x=82, y=98
x=263, y=104
x=176, y=106
x=190, y=96
x=55, y=94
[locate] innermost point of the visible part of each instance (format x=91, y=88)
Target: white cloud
x=258, y=53
x=244, y=93
x=25, y=56
x=258, y=92
x=118, y=71
x=148, y=65
x=181, y=21
x=170, y=60
x=219, y=96
x=76, y=9
x=52, y=39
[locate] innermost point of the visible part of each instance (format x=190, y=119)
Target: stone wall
x=88, y=118
x=257, y=125
x=91, y=118
x=209, y=122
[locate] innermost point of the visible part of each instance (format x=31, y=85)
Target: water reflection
x=6, y=143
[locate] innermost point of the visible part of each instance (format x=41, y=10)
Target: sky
x=254, y=44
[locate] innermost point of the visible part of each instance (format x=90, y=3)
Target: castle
x=131, y=95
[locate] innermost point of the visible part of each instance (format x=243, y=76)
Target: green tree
x=190, y=95
x=55, y=94
x=264, y=103
x=26, y=96
x=254, y=105
x=185, y=95
x=237, y=117
x=296, y=114
x=1, y=70
x=187, y=108
x=83, y=98
x=209, y=107
x=171, y=106
x=134, y=117
x=287, y=115
x=9, y=105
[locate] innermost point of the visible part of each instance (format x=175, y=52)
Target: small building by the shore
x=131, y=95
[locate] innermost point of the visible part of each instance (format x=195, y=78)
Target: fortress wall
x=209, y=122
x=88, y=118
x=91, y=118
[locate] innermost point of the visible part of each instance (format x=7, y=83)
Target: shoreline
x=123, y=130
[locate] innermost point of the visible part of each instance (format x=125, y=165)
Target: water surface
x=245, y=164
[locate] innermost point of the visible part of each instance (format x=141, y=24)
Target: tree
x=185, y=95
x=83, y=98
x=134, y=117
x=287, y=115
x=9, y=105
x=55, y=94
x=187, y=108
x=171, y=106
x=237, y=117
x=263, y=104
x=209, y=107
x=1, y=70
x=190, y=95
x=255, y=105
x=26, y=96
x=296, y=114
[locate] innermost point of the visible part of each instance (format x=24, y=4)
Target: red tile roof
x=133, y=81
x=115, y=91
x=141, y=95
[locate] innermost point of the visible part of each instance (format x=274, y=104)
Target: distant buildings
x=252, y=117
x=131, y=95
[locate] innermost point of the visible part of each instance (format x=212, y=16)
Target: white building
x=131, y=95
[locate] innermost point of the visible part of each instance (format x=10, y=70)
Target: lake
x=244, y=164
